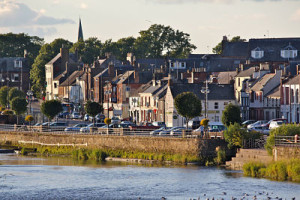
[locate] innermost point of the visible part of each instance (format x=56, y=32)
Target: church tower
x=80, y=33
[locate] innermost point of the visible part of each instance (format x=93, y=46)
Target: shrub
x=107, y=121
x=235, y=135
x=221, y=157
x=293, y=170
x=277, y=171
x=29, y=118
x=284, y=130
x=253, y=169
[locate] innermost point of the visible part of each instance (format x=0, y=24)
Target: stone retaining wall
x=286, y=152
x=184, y=146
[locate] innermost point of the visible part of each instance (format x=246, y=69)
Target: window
x=15, y=77
x=239, y=82
x=297, y=96
x=55, y=85
x=289, y=52
x=18, y=63
x=257, y=53
x=217, y=118
x=216, y=105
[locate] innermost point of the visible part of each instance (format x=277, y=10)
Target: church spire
x=80, y=33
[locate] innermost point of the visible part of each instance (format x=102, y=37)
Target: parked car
x=261, y=129
x=248, y=122
x=161, y=124
x=257, y=124
x=54, y=126
x=63, y=115
x=115, y=120
x=86, y=117
x=87, y=128
x=194, y=124
x=177, y=131
x=157, y=131
x=168, y=131
x=76, y=127
x=276, y=124
x=76, y=115
x=100, y=118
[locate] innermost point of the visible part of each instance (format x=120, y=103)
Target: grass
x=279, y=171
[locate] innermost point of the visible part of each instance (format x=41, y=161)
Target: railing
x=292, y=141
x=254, y=143
x=108, y=131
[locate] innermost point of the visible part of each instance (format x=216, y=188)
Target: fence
x=92, y=130
x=254, y=143
x=291, y=141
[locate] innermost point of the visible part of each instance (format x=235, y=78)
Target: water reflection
x=64, y=178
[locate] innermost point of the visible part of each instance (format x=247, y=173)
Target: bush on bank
x=284, y=130
x=279, y=171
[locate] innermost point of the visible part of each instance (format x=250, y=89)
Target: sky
x=207, y=21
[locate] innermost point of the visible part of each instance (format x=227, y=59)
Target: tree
x=88, y=50
x=218, y=49
x=14, y=92
x=46, y=53
x=29, y=118
x=19, y=105
x=51, y=108
x=188, y=105
x=160, y=39
x=13, y=45
x=93, y=108
x=3, y=96
x=231, y=115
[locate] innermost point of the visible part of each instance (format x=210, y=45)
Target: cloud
x=296, y=16
x=83, y=6
x=207, y=1
x=14, y=14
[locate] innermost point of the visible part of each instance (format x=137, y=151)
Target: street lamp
x=29, y=94
x=7, y=79
x=107, y=92
x=205, y=91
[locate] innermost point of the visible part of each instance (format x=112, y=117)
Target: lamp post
x=29, y=94
x=205, y=91
x=7, y=79
x=107, y=92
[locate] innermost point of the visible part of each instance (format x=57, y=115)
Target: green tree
x=235, y=135
x=88, y=50
x=92, y=108
x=19, y=105
x=46, y=53
x=218, y=49
x=13, y=45
x=231, y=115
x=188, y=105
x=4, y=96
x=51, y=108
x=14, y=92
x=160, y=39
x=124, y=46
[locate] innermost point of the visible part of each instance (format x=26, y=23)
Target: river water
x=62, y=178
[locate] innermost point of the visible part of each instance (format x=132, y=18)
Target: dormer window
x=18, y=63
x=178, y=65
x=257, y=53
x=289, y=52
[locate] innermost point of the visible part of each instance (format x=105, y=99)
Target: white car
x=275, y=124
x=76, y=115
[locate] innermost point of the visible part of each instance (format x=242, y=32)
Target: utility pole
x=205, y=91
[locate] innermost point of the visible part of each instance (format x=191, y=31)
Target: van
x=216, y=126
x=194, y=124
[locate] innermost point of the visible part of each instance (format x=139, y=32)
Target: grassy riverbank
x=102, y=154
x=279, y=171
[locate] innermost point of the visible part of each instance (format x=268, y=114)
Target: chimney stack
x=170, y=82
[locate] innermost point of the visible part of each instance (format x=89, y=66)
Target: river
x=62, y=178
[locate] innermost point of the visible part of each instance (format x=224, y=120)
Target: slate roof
x=275, y=93
x=226, y=77
x=71, y=80
x=7, y=64
x=259, y=85
x=72, y=58
x=235, y=49
x=246, y=73
x=217, y=91
x=272, y=48
x=103, y=73
x=293, y=81
x=155, y=89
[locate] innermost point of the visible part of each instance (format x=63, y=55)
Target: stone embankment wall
x=183, y=146
x=286, y=152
